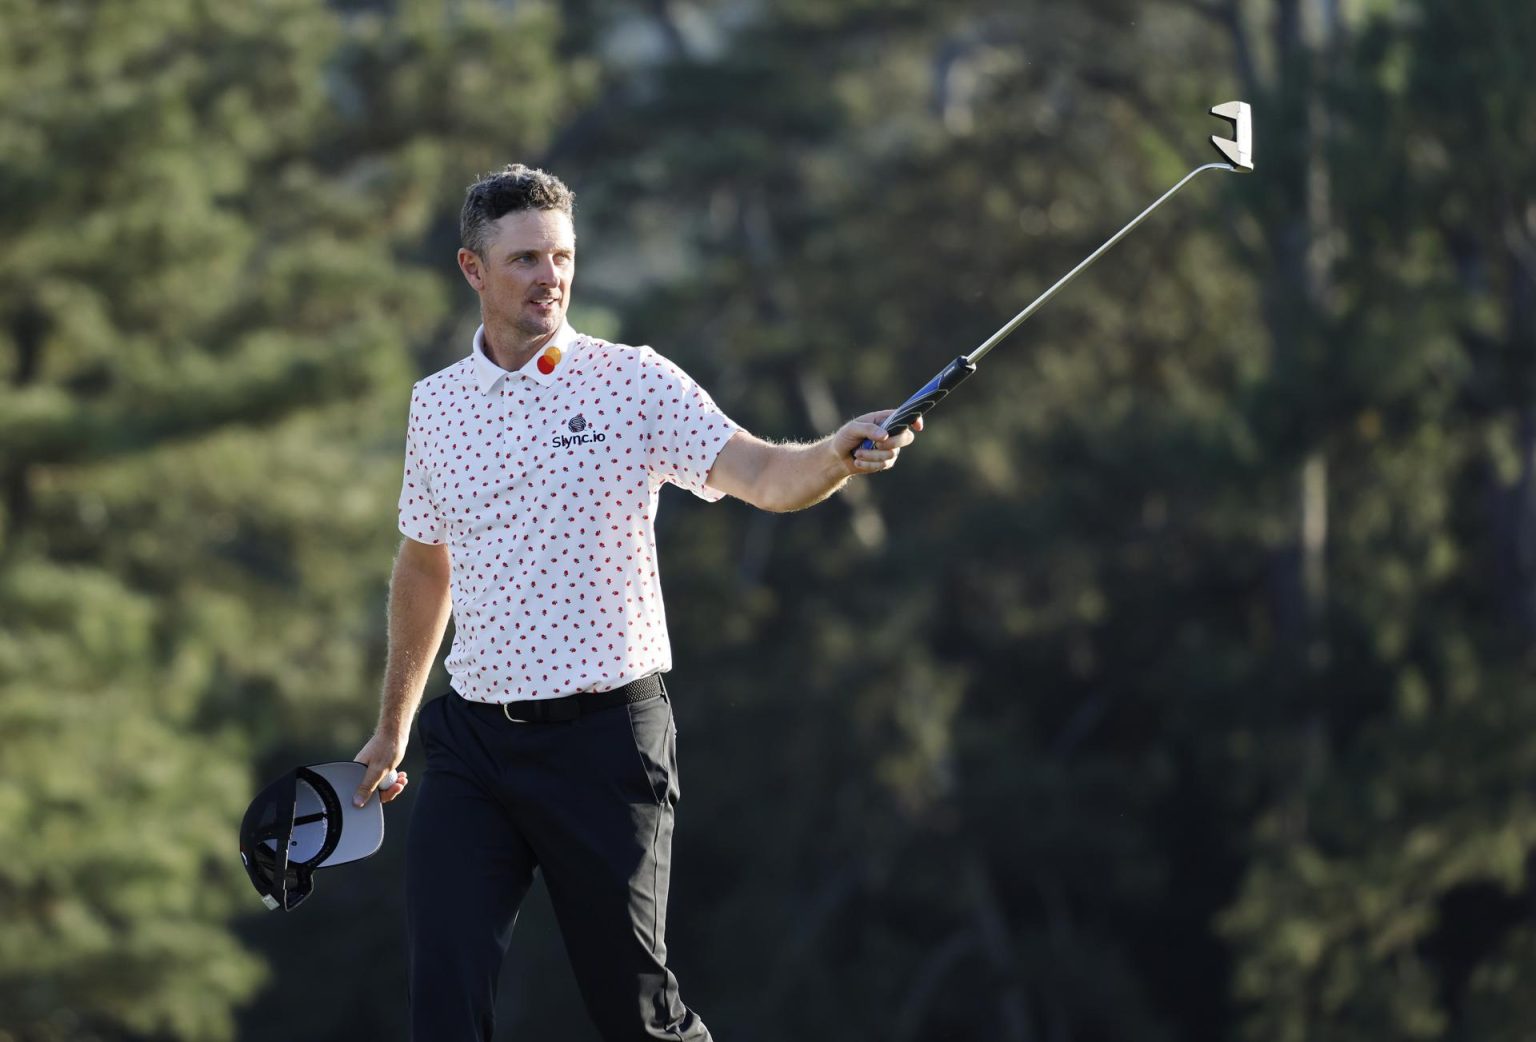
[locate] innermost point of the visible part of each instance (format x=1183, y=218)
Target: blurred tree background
x=1178, y=685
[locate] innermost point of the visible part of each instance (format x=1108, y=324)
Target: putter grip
x=950, y=377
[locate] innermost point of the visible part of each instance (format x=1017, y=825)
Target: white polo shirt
x=544, y=482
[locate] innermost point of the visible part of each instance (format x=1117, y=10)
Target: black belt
x=572, y=707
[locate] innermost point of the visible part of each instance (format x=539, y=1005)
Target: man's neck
x=511, y=349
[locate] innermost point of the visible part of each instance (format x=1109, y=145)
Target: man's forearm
x=798, y=476
x=419, y=607
x=789, y=477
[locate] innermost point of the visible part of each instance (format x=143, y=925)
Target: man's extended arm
x=419, y=606
x=791, y=477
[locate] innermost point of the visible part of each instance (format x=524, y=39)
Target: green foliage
x=200, y=328
x=1386, y=878
x=1093, y=582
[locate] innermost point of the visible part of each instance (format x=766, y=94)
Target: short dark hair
x=515, y=188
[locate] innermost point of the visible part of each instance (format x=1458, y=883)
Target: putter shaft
x=1237, y=151
x=1035, y=305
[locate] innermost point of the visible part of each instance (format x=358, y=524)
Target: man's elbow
x=775, y=505
x=778, y=499
x=744, y=471
x=754, y=494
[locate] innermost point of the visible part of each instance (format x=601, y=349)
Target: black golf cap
x=303, y=821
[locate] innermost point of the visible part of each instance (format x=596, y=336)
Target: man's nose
x=546, y=273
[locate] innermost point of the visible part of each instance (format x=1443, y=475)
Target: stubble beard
x=533, y=328
x=528, y=330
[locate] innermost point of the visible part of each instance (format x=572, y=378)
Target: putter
x=1238, y=158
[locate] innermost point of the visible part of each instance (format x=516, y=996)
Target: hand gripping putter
x=1238, y=156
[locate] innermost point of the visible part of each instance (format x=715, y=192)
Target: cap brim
x=359, y=830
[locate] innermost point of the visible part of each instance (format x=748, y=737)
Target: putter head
x=1240, y=152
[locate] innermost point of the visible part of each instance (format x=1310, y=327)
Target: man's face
x=524, y=279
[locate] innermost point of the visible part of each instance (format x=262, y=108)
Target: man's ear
x=473, y=268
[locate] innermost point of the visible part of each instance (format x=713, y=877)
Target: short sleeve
x=686, y=428
x=420, y=518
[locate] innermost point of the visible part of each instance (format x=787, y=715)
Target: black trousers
x=590, y=803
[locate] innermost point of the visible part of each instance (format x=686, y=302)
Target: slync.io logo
x=581, y=434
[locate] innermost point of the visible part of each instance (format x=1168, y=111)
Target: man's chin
x=540, y=326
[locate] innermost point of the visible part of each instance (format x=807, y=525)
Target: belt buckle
x=557, y=710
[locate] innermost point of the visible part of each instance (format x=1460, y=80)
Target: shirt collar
x=556, y=356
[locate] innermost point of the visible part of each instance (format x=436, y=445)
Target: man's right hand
x=381, y=755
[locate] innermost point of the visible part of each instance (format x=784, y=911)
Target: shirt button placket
x=514, y=432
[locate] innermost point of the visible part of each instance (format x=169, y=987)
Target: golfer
x=532, y=471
